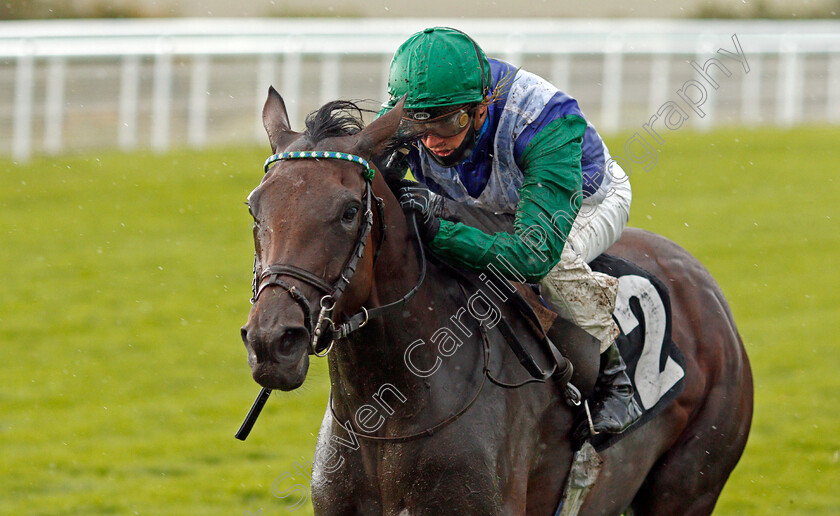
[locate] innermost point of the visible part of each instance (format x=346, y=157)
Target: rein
x=431, y=430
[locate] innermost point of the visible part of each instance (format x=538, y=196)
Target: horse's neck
x=394, y=358
x=374, y=358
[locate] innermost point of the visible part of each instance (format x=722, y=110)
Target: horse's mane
x=335, y=119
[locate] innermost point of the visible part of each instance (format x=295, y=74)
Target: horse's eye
x=350, y=213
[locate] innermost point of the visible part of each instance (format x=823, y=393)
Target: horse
x=412, y=426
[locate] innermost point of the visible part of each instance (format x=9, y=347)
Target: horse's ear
x=276, y=121
x=375, y=137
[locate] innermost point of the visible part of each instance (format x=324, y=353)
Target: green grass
x=125, y=279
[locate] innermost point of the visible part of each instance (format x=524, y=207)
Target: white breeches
x=582, y=296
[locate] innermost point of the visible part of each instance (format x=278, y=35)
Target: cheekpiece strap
x=368, y=171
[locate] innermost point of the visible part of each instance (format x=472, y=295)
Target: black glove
x=416, y=198
x=398, y=159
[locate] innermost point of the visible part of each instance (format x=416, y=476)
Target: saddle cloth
x=655, y=365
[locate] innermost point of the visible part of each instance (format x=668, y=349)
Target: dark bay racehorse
x=449, y=441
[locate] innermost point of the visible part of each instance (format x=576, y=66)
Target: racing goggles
x=420, y=122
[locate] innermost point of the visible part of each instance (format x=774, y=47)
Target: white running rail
x=74, y=84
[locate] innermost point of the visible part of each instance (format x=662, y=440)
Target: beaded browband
x=368, y=173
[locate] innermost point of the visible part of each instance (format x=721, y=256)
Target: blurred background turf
x=126, y=277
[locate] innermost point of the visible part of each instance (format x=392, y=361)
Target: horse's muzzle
x=278, y=357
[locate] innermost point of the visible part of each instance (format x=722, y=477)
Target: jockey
x=488, y=135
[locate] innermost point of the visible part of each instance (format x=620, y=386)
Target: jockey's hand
x=398, y=160
x=416, y=198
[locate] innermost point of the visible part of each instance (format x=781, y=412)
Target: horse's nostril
x=244, y=332
x=291, y=339
x=292, y=334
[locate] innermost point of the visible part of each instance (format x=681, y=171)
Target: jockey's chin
x=443, y=147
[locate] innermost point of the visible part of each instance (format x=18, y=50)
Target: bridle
x=325, y=331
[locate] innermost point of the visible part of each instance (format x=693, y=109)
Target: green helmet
x=438, y=67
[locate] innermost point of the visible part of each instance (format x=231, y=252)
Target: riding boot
x=615, y=408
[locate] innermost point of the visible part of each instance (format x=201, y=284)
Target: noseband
x=325, y=332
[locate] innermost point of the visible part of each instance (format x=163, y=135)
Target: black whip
x=253, y=414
